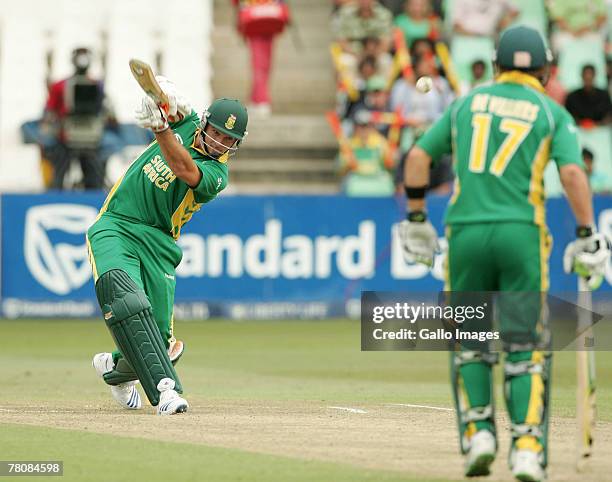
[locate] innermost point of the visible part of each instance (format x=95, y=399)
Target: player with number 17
x=501, y=137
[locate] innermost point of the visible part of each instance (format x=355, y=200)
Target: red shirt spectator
x=260, y=21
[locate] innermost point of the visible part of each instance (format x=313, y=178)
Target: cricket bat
x=585, y=377
x=143, y=73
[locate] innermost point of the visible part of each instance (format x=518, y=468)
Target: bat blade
x=143, y=73
x=586, y=405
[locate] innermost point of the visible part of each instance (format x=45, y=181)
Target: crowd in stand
x=382, y=47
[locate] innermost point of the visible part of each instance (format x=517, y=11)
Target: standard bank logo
x=58, y=265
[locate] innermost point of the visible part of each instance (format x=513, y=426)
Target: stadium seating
x=598, y=141
x=533, y=14
x=576, y=54
x=466, y=50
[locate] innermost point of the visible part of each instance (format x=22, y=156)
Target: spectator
x=589, y=105
x=475, y=23
x=417, y=21
x=554, y=87
x=336, y=6
x=394, y=6
x=372, y=47
x=438, y=7
x=479, y=70
x=377, y=95
x=576, y=18
x=482, y=18
x=75, y=115
x=420, y=110
x=376, y=99
x=357, y=22
x=422, y=46
x=366, y=172
x=260, y=21
x=368, y=67
x=598, y=181
x=587, y=158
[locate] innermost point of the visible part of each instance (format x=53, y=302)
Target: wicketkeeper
x=132, y=245
x=501, y=137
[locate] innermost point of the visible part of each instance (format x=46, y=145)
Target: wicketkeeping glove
x=588, y=257
x=419, y=239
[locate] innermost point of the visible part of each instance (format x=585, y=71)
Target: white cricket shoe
x=170, y=402
x=526, y=466
x=481, y=454
x=125, y=394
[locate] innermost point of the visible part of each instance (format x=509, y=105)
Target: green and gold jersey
x=150, y=193
x=501, y=137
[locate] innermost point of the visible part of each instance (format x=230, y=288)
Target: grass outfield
x=270, y=401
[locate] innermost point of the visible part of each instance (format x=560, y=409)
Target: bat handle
x=175, y=118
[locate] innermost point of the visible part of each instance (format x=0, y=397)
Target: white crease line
x=42, y=410
x=421, y=406
x=349, y=409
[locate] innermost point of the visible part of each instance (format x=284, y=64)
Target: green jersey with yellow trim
x=501, y=137
x=150, y=193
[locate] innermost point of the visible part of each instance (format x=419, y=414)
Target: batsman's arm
x=178, y=158
x=565, y=150
x=430, y=147
x=416, y=175
x=576, y=186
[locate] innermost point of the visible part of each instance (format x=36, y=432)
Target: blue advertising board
x=244, y=256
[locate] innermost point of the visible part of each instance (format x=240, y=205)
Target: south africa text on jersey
x=159, y=173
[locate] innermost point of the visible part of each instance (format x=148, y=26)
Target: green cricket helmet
x=522, y=48
x=228, y=116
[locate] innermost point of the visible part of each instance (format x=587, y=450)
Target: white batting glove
x=178, y=105
x=588, y=257
x=151, y=116
x=419, y=241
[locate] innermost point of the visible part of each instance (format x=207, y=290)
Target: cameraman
x=76, y=114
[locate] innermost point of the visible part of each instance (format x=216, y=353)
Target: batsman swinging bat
x=143, y=73
x=585, y=377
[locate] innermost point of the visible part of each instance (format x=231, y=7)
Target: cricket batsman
x=501, y=137
x=132, y=245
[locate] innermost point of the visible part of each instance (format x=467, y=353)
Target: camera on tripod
x=84, y=123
